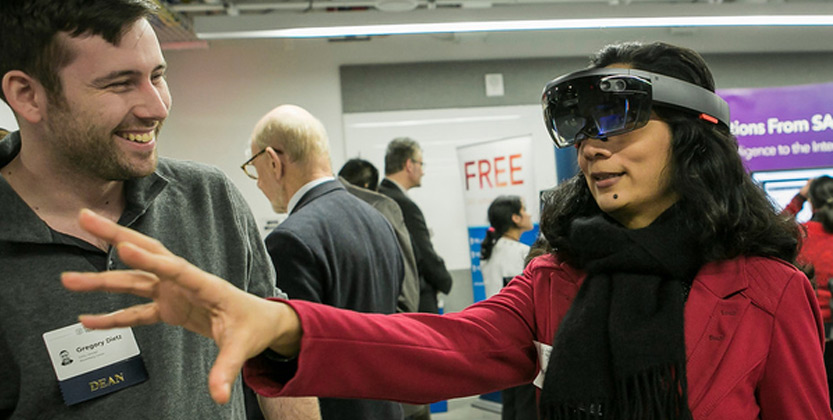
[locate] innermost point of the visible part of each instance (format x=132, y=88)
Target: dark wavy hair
x=30, y=28
x=500, y=218
x=821, y=197
x=721, y=203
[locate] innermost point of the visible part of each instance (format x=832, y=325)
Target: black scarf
x=619, y=353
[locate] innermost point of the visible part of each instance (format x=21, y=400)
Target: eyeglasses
x=421, y=163
x=607, y=102
x=249, y=166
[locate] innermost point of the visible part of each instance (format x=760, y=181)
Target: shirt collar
x=20, y=223
x=303, y=190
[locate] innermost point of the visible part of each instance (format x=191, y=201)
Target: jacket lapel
x=713, y=312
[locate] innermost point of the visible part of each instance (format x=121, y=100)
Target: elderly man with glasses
x=333, y=248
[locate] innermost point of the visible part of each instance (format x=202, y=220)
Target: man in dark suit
x=332, y=248
x=403, y=171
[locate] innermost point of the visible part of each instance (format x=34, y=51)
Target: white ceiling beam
x=641, y=15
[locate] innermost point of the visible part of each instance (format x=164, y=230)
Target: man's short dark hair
x=399, y=151
x=30, y=44
x=360, y=173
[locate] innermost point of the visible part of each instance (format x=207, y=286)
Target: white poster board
x=488, y=170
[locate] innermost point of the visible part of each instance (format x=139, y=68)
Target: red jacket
x=816, y=249
x=752, y=326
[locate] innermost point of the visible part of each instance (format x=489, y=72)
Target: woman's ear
x=25, y=95
x=517, y=219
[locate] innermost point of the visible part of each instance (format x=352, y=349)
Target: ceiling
x=244, y=7
x=191, y=23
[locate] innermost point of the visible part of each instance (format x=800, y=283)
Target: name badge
x=93, y=363
x=544, y=351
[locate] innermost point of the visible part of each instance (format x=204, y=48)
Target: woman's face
x=629, y=174
x=523, y=220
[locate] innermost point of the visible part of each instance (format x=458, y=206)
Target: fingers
x=114, y=233
x=181, y=283
x=167, y=267
x=225, y=370
x=135, y=282
x=206, y=290
x=135, y=315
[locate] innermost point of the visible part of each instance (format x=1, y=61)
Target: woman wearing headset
x=670, y=293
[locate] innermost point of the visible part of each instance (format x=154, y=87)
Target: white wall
x=220, y=93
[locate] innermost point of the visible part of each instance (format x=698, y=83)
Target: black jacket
x=432, y=272
x=337, y=250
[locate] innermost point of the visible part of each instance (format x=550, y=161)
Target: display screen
x=781, y=186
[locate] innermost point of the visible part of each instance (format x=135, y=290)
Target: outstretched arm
x=797, y=202
x=241, y=324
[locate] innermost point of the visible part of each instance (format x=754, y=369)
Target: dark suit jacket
x=432, y=272
x=337, y=250
x=409, y=295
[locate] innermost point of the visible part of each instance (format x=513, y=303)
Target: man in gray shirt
x=85, y=80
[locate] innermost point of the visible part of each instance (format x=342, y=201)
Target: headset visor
x=596, y=106
x=600, y=103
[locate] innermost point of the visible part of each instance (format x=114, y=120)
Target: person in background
x=333, y=248
x=361, y=178
x=817, y=241
x=501, y=252
x=670, y=292
x=360, y=173
x=403, y=171
x=86, y=83
x=501, y=259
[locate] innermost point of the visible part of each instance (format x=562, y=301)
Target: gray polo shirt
x=191, y=208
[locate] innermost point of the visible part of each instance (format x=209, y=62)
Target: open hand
x=242, y=325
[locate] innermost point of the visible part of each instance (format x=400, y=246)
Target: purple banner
x=783, y=127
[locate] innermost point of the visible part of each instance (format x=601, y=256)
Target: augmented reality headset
x=605, y=102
